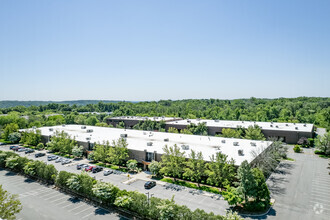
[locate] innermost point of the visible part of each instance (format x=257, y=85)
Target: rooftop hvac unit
x=271, y=122
x=271, y=125
x=88, y=138
x=253, y=144
x=296, y=128
x=149, y=143
x=51, y=129
x=286, y=124
x=276, y=126
x=144, y=133
x=63, y=125
x=166, y=140
x=83, y=127
x=216, y=120
x=89, y=130
x=188, y=121
x=235, y=143
x=185, y=147
x=305, y=125
x=223, y=141
x=123, y=135
x=242, y=121
x=198, y=119
x=240, y=152
x=34, y=127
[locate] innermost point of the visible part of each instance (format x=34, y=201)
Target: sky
x=164, y=49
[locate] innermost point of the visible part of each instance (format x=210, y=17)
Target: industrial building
x=130, y=121
x=289, y=132
x=145, y=146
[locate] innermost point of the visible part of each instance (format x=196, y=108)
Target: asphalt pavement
x=43, y=202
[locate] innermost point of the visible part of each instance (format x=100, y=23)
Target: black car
x=96, y=169
x=149, y=184
x=39, y=154
x=29, y=151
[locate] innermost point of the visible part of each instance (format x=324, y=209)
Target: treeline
x=106, y=194
x=302, y=109
x=9, y=104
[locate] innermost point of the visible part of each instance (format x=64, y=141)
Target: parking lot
x=191, y=198
x=42, y=202
x=301, y=188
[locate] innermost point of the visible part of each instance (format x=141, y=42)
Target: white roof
x=140, y=118
x=137, y=140
x=245, y=124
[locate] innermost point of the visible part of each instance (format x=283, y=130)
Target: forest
x=302, y=109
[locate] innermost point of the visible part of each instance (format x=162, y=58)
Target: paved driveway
x=301, y=188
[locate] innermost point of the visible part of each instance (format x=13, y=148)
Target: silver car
x=58, y=160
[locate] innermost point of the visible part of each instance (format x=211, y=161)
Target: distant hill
x=8, y=104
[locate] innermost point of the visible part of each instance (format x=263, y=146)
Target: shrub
x=62, y=178
x=297, y=149
x=40, y=146
x=311, y=142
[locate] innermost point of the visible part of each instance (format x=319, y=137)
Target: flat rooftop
x=245, y=124
x=140, y=118
x=138, y=140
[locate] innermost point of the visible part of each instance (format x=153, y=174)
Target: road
x=42, y=202
x=301, y=188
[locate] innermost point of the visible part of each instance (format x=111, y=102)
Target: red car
x=90, y=168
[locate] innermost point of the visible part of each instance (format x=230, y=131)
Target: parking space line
x=68, y=205
x=44, y=196
x=77, y=207
x=62, y=202
x=87, y=215
x=60, y=199
x=84, y=210
x=53, y=197
x=321, y=199
x=320, y=195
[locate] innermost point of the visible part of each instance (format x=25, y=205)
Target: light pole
x=149, y=197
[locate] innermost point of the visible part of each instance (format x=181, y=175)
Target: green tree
x=61, y=142
x=92, y=120
x=262, y=197
x=254, y=133
x=172, y=130
x=195, y=166
x=132, y=165
x=78, y=151
x=10, y=128
x=230, y=133
x=105, y=191
x=323, y=143
x=154, y=167
x=221, y=171
x=118, y=153
x=9, y=205
x=124, y=201
x=172, y=161
x=247, y=184
x=100, y=152
x=166, y=209
x=14, y=137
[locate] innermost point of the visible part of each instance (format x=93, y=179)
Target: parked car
x=97, y=169
x=39, y=155
x=29, y=151
x=21, y=149
x=16, y=148
x=51, y=157
x=2, y=143
x=107, y=172
x=59, y=159
x=81, y=166
x=89, y=168
x=149, y=184
x=65, y=161
x=12, y=147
